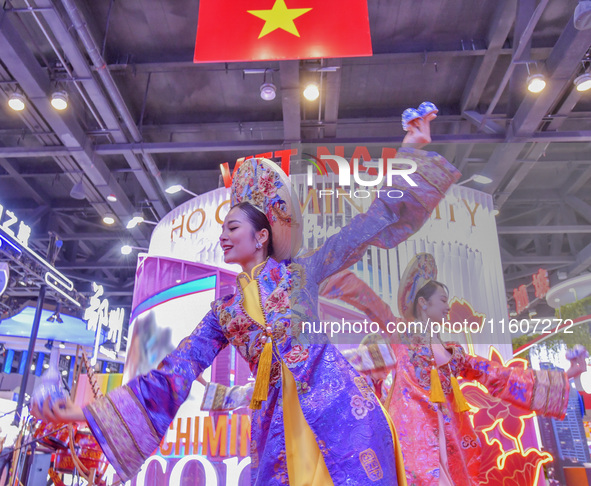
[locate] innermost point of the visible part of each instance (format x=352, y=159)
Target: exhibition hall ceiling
x=141, y=116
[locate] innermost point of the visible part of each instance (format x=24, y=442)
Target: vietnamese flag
x=262, y=30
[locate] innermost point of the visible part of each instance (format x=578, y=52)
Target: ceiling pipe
x=96, y=58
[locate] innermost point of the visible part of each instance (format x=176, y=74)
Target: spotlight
x=583, y=82
x=481, y=179
x=495, y=211
x=311, y=92
x=108, y=219
x=16, y=101
x=174, y=189
x=77, y=191
x=59, y=100
x=138, y=218
x=49, y=344
x=536, y=83
x=126, y=249
x=582, y=16
x=112, y=198
x=268, y=91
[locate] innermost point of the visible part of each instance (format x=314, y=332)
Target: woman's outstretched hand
x=62, y=411
x=419, y=133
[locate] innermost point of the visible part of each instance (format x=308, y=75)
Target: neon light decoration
x=508, y=458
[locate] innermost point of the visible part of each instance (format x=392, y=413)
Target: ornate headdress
x=263, y=184
x=421, y=270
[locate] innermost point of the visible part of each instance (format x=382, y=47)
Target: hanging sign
x=99, y=317
x=17, y=239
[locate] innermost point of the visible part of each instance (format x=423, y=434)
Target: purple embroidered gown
x=350, y=427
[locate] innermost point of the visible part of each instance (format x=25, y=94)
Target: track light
x=59, y=100
x=16, y=101
x=583, y=82
x=268, y=91
x=536, y=83
x=311, y=92
x=109, y=219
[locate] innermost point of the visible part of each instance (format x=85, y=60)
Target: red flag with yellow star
x=262, y=30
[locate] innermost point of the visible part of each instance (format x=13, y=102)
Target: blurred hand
x=419, y=133
x=62, y=411
x=578, y=365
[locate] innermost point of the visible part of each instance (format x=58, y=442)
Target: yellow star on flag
x=279, y=17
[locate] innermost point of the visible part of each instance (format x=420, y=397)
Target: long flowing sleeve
x=542, y=391
x=130, y=421
x=221, y=398
x=369, y=358
x=349, y=288
x=389, y=220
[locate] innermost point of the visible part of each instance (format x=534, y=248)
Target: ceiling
x=142, y=115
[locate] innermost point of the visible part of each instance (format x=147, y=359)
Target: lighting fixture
x=108, y=219
x=59, y=100
x=64, y=372
x=268, y=91
x=583, y=82
x=16, y=101
x=536, y=83
x=582, y=15
x=77, y=191
x=311, y=92
x=178, y=188
x=112, y=198
x=137, y=218
x=55, y=317
x=496, y=211
x=174, y=189
x=481, y=179
x=126, y=249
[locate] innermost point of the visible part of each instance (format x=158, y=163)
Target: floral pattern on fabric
x=360, y=406
x=297, y=354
